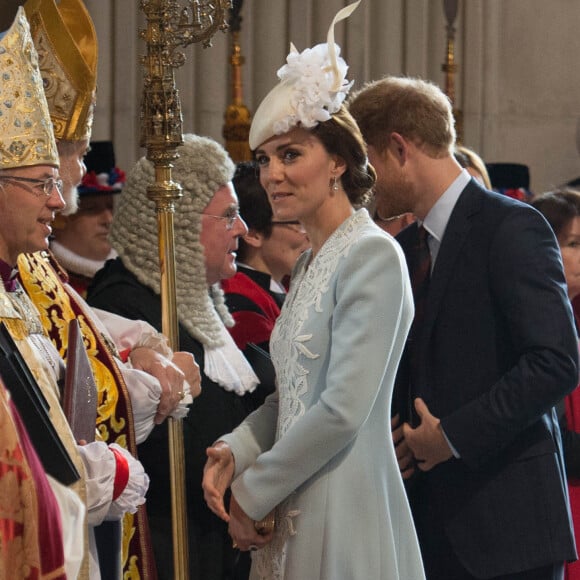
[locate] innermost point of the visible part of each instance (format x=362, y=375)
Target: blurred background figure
x=266, y=256
x=474, y=164
x=81, y=239
x=391, y=225
x=562, y=210
x=511, y=179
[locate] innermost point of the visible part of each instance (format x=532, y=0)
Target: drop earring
x=335, y=183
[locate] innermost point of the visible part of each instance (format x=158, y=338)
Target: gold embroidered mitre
x=26, y=136
x=66, y=42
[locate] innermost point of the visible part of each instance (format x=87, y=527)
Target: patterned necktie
x=420, y=276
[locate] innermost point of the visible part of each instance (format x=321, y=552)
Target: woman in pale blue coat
x=318, y=454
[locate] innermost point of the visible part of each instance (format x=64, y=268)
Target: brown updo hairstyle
x=341, y=136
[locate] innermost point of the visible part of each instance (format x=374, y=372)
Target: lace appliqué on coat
x=289, y=346
x=270, y=561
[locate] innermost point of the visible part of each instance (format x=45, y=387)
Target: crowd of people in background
x=377, y=367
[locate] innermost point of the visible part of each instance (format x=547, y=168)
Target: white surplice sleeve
x=72, y=515
x=144, y=389
x=103, y=482
x=129, y=334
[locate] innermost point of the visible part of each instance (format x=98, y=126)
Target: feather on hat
x=312, y=87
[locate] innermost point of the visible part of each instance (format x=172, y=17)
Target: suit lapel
x=458, y=227
x=456, y=232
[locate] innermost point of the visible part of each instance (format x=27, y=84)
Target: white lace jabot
x=227, y=366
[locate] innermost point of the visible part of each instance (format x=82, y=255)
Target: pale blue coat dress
x=319, y=450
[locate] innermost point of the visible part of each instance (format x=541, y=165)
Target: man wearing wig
x=207, y=228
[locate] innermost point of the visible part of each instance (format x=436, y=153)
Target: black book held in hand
x=80, y=391
x=33, y=408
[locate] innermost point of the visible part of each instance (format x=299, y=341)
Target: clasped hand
x=424, y=446
x=217, y=478
x=174, y=376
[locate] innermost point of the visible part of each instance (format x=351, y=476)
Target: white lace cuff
x=100, y=470
x=145, y=392
x=133, y=495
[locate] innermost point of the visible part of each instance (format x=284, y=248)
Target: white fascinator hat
x=312, y=87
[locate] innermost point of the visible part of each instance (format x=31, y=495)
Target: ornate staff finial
x=237, y=117
x=169, y=27
x=449, y=67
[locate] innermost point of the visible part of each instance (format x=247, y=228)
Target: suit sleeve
x=531, y=306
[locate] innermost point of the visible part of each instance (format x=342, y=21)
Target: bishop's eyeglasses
x=40, y=186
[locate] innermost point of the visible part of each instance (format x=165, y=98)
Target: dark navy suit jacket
x=497, y=350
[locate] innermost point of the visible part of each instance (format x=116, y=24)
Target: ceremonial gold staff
x=170, y=26
x=238, y=119
x=449, y=67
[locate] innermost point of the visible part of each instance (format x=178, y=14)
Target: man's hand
x=186, y=362
x=427, y=442
x=403, y=452
x=170, y=377
x=217, y=477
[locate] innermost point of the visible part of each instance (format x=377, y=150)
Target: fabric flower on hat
x=314, y=98
x=312, y=88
